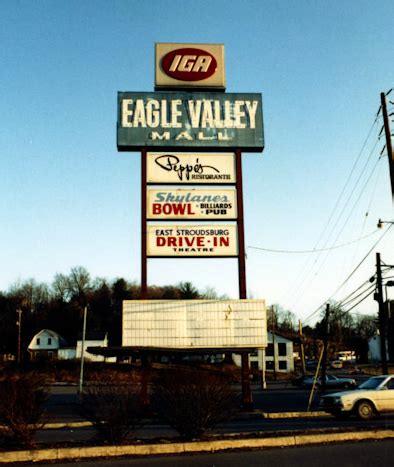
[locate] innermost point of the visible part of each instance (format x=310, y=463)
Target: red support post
x=247, y=400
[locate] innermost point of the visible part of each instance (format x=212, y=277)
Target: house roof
x=93, y=336
x=280, y=335
x=48, y=332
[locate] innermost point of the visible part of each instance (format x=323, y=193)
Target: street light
x=388, y=284
x=380, y=223
x=19, y=324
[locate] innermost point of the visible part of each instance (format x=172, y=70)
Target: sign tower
x=191, y=135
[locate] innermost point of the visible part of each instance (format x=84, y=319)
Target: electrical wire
x=358, y=303
x=297, y=286
x=270, y=250
x=347, y=302
x=351, y=274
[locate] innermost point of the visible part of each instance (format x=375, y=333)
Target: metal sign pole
x=144, y=286
x=247, y=401
x=144, y=281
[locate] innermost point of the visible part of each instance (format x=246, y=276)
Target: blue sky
x=68, y=198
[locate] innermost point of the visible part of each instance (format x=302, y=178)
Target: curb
x=268, y=415
x=192, y=447
x=294, y=414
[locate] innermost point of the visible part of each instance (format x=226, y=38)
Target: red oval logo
x=189, y=64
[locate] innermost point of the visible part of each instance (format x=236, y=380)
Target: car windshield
x=371, y=383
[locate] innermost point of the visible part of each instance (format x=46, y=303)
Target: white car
x=373, y=397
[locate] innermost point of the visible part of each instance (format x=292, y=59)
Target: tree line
x=59, y=306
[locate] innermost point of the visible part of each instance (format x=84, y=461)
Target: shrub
x=114, y=410
x=194, y=402
x=21, y=406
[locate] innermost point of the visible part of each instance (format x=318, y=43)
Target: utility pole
x=85, y=311
x=302, y=348
x=382, y=315
x=389, y=146
x=325, y=347
x=273, y=338
x=19, y=324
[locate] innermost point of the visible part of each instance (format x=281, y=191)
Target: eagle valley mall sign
x=184, y=120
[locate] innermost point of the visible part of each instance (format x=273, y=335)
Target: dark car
x=332, y=382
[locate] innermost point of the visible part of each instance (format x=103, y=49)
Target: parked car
x=299, y=380
x=311, y=364
x=332, y=382
x=336, y=364
x=374, y=396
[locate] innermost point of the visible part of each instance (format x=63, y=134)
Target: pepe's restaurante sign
x=184, y=119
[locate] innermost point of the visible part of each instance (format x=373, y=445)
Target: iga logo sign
x=189, y=64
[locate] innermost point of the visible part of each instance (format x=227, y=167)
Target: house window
x=269, y=365
x=254, y=365
x=282, y=349
x=270, y=350
x=282, y=365
x=38, y=341
x=49, y=340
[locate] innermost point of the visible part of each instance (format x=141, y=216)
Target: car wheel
x=346, y=386
x=365, y=410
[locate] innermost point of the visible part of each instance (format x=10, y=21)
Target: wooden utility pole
x=302, y=348
x=273, y=338
x=389, y=146
x=325, y=347
x=85, y=312
x=382, y=315
x=19, y=324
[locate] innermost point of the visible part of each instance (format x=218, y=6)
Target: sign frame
x=190, y=121
x=232, y=233
x=191, y=204
x=179, y=168
x=164, y=81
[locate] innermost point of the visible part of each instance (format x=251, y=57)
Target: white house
x=93, y=339
x=283, y=357
x=50, y=345
x=45, y=345
x=374, y=353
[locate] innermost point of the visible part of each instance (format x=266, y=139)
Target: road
x=377, y=453
x=63, y=407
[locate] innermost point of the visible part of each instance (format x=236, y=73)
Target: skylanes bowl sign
x=199, y=120
x=191, y=204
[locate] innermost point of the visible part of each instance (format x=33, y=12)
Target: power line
x=351, y=274
x=314, y=250
x=301, y=283
x=344, y=303
x=360, y=301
